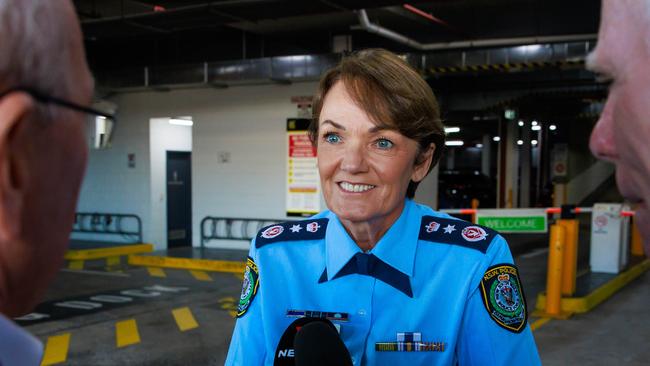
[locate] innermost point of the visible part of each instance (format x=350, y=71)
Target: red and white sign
x=303, y=181
x=300, y=146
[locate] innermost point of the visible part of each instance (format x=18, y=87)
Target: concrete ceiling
x=129, y=33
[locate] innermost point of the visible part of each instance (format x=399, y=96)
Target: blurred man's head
x=42, y=146
x=622, y=135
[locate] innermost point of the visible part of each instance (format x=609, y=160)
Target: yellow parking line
x=538, y=323
x=56, y=349
x=201, y=275
x=184, y=319
x=126, y=333
x=156, y=272
x=76, y=264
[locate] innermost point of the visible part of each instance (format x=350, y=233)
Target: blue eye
x=384, y=144
x=332, y=138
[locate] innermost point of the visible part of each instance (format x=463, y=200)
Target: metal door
x=179, y=199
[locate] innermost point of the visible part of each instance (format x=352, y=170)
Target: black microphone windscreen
x=318, y=344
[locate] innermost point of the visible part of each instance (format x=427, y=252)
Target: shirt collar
x=397, y=247
x=339, y=246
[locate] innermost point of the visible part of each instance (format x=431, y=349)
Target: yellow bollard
x=636, y=245
x=570, y=255
x=554, y=274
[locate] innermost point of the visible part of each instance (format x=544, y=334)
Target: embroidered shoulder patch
x=249, y=288
x=456, y=232
x=292, y=231
x=503, y=297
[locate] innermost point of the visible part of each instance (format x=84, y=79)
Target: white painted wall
x=163, y=137
x=248, y=122
x=110, y=185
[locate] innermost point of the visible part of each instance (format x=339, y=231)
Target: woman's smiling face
x=364, y=170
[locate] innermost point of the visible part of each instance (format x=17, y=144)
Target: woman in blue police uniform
x=404, y=284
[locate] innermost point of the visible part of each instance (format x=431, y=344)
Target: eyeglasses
x=46, y=99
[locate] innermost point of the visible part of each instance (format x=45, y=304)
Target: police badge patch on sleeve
x=249, y=288
x=503, y=297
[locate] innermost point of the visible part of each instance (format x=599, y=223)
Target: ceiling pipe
x=365, y=24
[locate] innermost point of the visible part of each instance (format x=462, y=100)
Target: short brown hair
x=392, y=93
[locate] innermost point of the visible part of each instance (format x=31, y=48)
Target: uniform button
x=362, y=312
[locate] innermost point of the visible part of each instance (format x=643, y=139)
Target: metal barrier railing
x=549, y=210
x=112, y=224
x=228, y=228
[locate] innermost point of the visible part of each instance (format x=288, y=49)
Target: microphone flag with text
x=311, y=341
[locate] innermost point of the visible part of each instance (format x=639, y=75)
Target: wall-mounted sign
x=303, y=181
x=559, y=162
x=131, y=159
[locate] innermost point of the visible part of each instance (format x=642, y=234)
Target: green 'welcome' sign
x=514, y=224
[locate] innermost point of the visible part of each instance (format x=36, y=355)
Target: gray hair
x=35, y=46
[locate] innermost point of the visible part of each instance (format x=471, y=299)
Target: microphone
x=319, y=344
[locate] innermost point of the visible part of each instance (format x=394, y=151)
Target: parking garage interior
x=211, y=97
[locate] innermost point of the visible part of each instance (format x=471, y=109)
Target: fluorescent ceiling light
x=533, y=142
x=521, y=123
x=520, y=142
x=496, y=139
x=180, y=122
x=454, y=143
x=452, y=129
x=534, y=123
x=536, y=128
x=552, y=127
x=101, y=117
x=479, y=145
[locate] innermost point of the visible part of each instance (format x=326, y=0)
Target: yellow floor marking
x=156, y=272
x=126, y=333
x=113, y=261
x=201, y=275
x=76, y=264
x=184, y=319
x=538, y=323
x=56, y=349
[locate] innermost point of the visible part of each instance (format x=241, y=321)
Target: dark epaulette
x=456, y=232
x=312, y=229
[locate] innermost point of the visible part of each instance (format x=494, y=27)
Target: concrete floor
x=93, y=336
x=616, y=332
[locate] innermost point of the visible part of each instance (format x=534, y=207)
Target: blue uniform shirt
x=433, y=291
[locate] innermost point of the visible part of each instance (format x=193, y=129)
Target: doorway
x=179, y=199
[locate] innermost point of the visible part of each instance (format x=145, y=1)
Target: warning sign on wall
x=303, y=182
x=559, y=162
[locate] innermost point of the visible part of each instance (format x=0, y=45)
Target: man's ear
x=14, y=109
x=423, y=161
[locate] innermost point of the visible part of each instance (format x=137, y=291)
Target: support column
x=427, y=192
x=524, y=166
x=512, y=166
x=486, y=155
